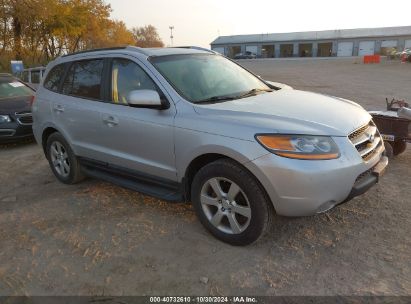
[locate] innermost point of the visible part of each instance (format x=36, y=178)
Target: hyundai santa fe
x=187, y=124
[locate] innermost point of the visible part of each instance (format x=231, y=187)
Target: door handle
x=58, y=108
x=110, y=120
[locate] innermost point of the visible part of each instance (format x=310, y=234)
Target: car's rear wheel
x=230, y=202
x=62, y=160
x=399, y=146
x=389, y=151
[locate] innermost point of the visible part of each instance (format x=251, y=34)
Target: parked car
x=15, y=113
x=246, y=55
x=189, y=124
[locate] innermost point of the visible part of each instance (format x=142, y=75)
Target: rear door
x=138, y=139
x=76, y=110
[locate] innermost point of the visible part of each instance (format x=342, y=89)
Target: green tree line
x=37, y=31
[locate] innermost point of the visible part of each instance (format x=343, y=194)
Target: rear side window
x=52, y=81
x=84, y=79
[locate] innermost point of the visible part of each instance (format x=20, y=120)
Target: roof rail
x=196, y=48
x=125, y=47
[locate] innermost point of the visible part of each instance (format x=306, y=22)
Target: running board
x=165, y=192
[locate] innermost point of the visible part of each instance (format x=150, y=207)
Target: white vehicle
x=189, y=124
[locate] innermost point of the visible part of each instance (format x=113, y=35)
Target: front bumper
x=13, y=131
x=302, y=188
x=368, y=179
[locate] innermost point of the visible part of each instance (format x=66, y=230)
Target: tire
x=389, y=152
x=62, y=160
x=399, y=146
x=240, y=217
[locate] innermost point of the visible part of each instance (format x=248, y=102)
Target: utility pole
x=171, y=27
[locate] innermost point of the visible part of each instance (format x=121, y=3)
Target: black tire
x=74, y=175
x=399, y=146
x=251, y=192
x=389, y=151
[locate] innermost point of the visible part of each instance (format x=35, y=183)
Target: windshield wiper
x=230, y=97
x=253, y=92
x=215, y=99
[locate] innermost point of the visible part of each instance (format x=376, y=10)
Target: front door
x=138, y=139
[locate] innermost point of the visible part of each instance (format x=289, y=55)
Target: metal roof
x=316, y=35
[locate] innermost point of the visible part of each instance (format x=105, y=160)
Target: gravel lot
x=98, y=239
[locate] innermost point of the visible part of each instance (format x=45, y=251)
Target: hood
x=287, y=112
x=13, y=105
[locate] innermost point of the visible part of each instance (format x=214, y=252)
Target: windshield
x=206, y=77
x=10, y=88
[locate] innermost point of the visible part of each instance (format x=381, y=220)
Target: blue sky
x=198, y=22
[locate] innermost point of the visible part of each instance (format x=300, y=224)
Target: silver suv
x=187, y=124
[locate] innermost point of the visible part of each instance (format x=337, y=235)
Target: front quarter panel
x=191, y=143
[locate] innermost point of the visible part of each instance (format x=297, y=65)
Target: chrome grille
x=367, y=141
x=24, y=118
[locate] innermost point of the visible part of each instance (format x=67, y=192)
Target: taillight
x=31, y=101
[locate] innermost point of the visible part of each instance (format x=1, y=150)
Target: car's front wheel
x=231, y=203
x=62, y=160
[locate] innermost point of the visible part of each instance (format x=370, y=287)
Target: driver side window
x=127, y=76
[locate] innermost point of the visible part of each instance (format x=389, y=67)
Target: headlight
x=4, y=118
x=300, y=146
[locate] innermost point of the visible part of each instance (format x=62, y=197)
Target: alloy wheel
x=225, y=205
x=60, y=159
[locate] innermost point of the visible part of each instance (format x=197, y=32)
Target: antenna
x=171, y=27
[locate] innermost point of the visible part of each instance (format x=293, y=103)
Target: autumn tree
x=147, y=36
x=37, y=31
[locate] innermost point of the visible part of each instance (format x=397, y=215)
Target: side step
x=165, y=192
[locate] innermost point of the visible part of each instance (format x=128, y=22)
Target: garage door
x=345, y=49
x=219, y=50
x=407, y=44
x=251, y=48
x=366, y=48
x=389, y=43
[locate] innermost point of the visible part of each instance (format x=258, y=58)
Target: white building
x=341, y=43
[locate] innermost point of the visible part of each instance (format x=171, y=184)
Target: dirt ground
x=98, y=239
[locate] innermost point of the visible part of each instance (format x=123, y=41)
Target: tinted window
x=84, y=79
x=127, y=76
x=52, y=81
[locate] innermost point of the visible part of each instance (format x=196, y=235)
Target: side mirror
x=145, y=99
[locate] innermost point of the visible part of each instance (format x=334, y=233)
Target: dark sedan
x=246, y=55
x=15, y=109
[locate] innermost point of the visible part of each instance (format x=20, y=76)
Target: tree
x=147, y=36
x=37, y=31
